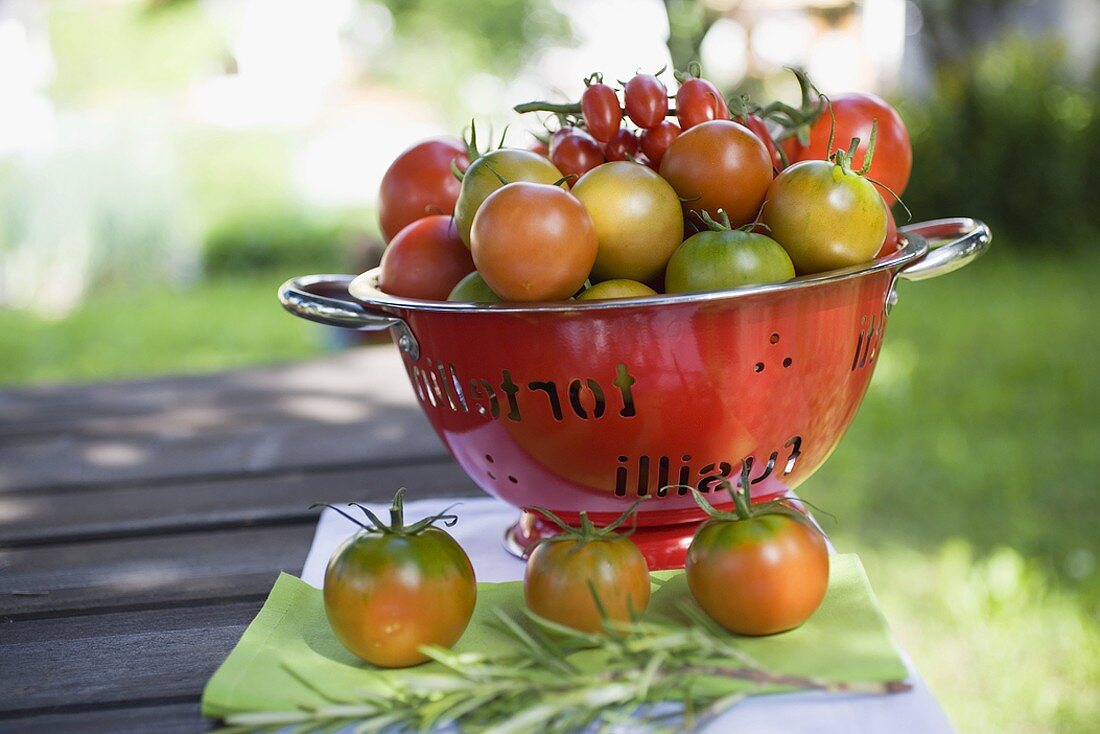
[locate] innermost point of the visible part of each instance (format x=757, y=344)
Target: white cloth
x=480, y=532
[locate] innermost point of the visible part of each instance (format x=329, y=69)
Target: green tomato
x=484, y=175
x=638, y=217
x=473, y=289
x=617, y=288
x=824, y=216
x=716, y=261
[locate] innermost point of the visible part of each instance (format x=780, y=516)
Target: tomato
x=617, y=288
x=646, y=100
x=425, y=260
x=484, y=175
x=655, y=140
x=718, y=260
x=602, y=115
x=637, y=217
x=419, y=183
x=540, y=147
x=566, y=573
x=391, y=589
x=623, y=146
x=533, y=242
x=756, y=124
x=890, y=243
x=698, y=101
x=757, y=571
x=576, y=154
x=855, y=113
x=473, y=289
x=825, y=216
x=719, y=165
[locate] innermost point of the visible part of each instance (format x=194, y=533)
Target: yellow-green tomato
x=484, y=176
x=473, y=289
x=716, y=261
x=616, y=288
x=824, y=216
x=638, y=217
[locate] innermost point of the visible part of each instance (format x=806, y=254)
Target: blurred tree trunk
x=688, y=23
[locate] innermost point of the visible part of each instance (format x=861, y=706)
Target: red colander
x=592, y=405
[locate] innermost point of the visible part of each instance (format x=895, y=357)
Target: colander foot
x=664, y=546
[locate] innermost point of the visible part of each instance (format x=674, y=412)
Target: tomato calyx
x=796, y=122
x=744, y=509
x=396, y=525
x=587, y=531
x=472, y=150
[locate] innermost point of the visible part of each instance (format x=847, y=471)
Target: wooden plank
x=177, y=569
x=65, y=516
x=163, y=718
x=120, y=659
x=354, y=408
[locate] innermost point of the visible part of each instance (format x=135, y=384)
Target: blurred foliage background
x=164, y=164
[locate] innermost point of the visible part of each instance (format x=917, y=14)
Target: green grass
x=968, y=482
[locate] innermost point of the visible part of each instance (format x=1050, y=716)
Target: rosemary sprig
x=655, y=676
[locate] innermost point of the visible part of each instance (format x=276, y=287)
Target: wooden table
x=142, y=524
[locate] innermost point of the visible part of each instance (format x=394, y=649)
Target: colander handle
x=325, y=299
x=969, y=238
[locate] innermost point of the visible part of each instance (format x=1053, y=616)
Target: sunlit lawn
x=968, y=482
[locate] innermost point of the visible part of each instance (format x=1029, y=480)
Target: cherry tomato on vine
x=719, y=165
x=540, y=147
x=756, y=124
x=533, y=242
x=759, y=570
x=855, y=113
x=698, y=101
x=484, y=176
x=393, y=588
x=577, y=153
x=425, y=260
x=568, y=572
x=825, y=216
x=420, y=183
x=622, y=147
x=602, y=114
x=638, y=220
x=722, y=258
x=655, y=140
x=646, y=100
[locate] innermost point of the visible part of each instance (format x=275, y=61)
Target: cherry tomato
x=391, y=589
x=540, y=147
x=719, y=260
x=473, y=289
x=484, y=175
x=420, y=183
x=825, y=216
x=760, y=570
x=533, y=242
x=855, y=113
x=576, y=154
x=623, y=146
x=602, y=115
x=425, y=260
x=566, y=573
x=890, y=243
x=617, y=288
x=760, y=129
x=698, y=101
x=719, y=165
x=655, y=140
x=637, y=216
x=646, y=100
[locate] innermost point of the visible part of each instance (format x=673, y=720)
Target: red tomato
x=855, y=113
x=622, y=147
x=646, y=100
x=576, y=153
x=656, y=139
x=540, y=147
x=698, y=101
x=425, y=260
x=602, y=115
x=420, y=183
x=760, y=128
x=890, y=244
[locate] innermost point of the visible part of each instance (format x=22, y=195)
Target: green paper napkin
x=846, y=639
